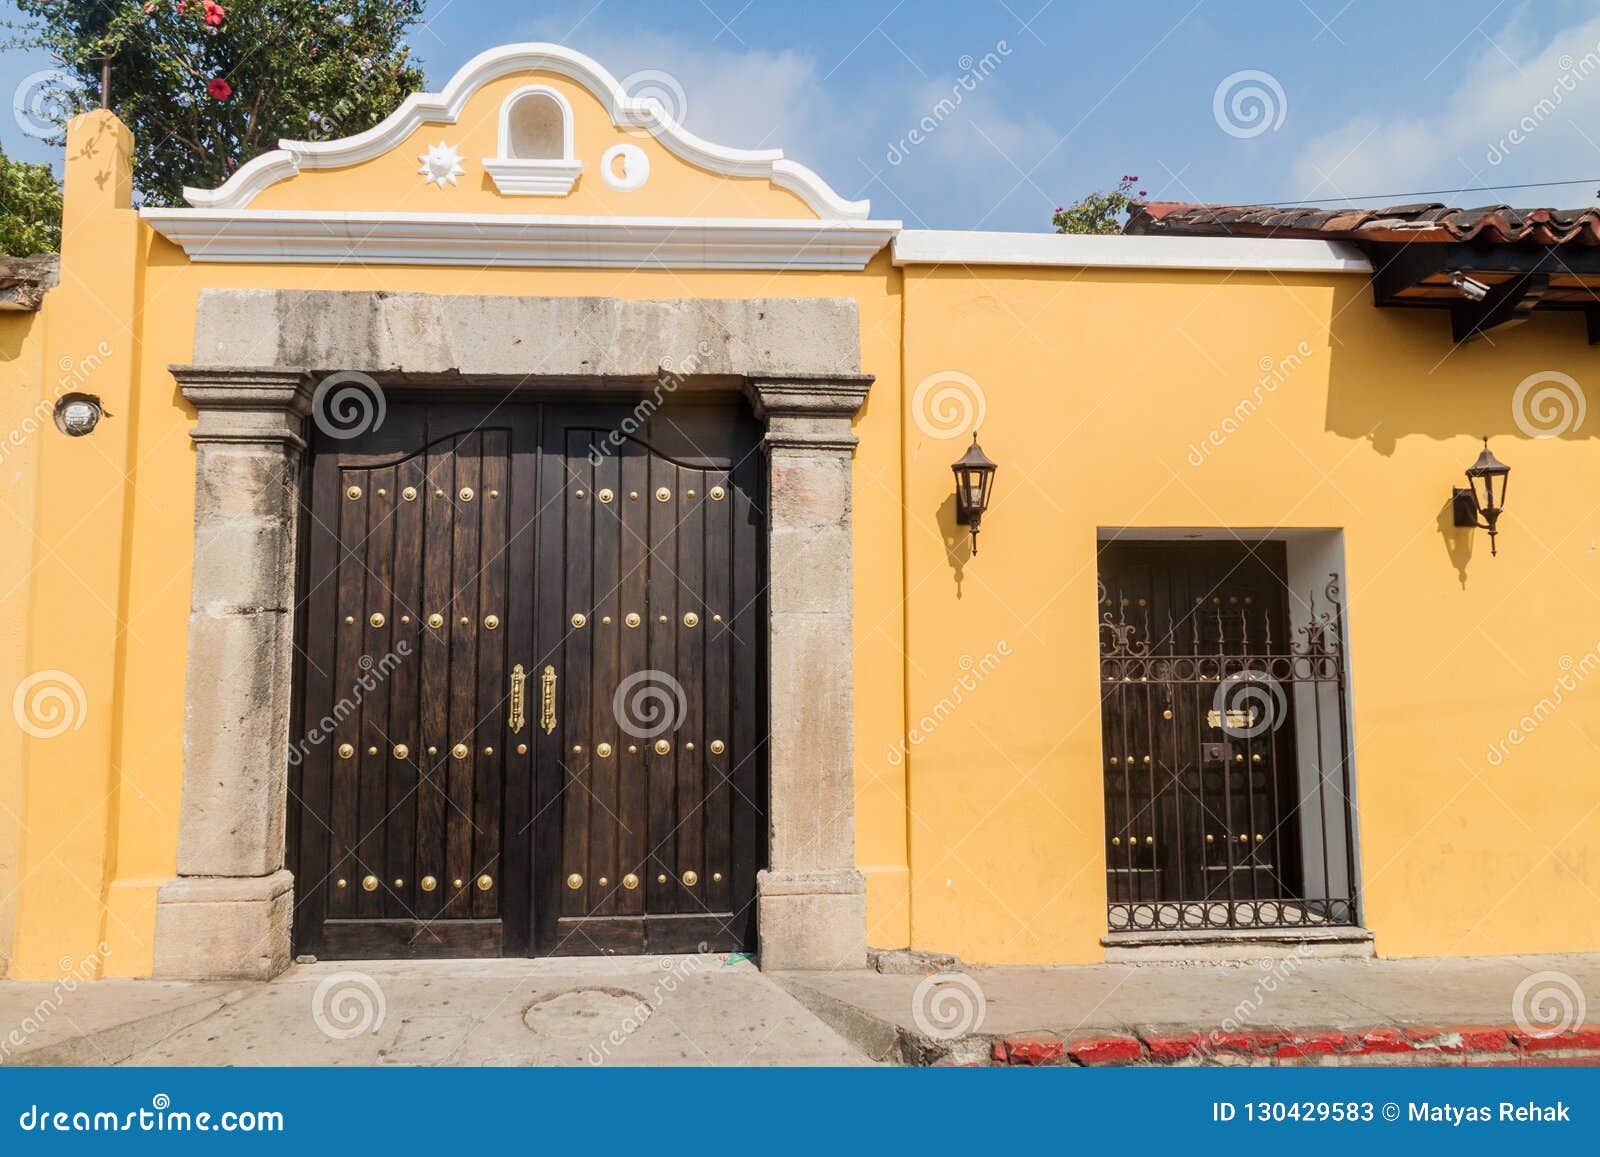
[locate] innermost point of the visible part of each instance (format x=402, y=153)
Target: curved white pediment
x=445, y=107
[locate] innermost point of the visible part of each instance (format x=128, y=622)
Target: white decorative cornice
x=483, y=239
x=1119, y=251
x=445, y=107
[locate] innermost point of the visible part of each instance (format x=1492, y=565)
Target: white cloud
x=745, y=97
x=753, y=98
x=1520, y=113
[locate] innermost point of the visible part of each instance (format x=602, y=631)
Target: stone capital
x=247, y=404
x=808, y=411
x=808, y=395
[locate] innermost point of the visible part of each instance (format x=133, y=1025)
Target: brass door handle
x=519, y=679
x=547, y=709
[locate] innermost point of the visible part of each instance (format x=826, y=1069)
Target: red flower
x=219, y=88
x=214, y=13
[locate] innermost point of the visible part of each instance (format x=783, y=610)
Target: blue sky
x=1359, y=97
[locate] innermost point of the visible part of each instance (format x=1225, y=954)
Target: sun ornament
x=441, y=164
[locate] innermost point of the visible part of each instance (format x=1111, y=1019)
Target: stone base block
x=812, y=920
x=224, y=927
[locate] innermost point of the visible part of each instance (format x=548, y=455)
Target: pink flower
x=214, y=13
x=219, y=89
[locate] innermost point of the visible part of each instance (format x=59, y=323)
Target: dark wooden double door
x=1197, y=698
x=531, y=716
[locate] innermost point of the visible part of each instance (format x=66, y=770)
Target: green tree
x=1097, y=212
x=205, y=86
x=30, y=208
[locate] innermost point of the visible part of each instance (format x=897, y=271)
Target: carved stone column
x=228, y=912
x=812, y=905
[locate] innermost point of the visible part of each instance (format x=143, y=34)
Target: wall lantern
x=78, y=414
x=974, y=477
x=1485, y=496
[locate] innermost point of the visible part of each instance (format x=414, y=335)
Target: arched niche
x=536, y=155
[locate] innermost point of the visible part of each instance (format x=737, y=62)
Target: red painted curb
x=1457, y=1045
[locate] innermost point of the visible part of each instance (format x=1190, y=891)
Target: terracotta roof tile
x=1427, y=222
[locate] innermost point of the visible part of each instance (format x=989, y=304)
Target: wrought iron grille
x=1228, y=774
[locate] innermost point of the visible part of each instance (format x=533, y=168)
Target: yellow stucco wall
x=984, y=835
x=22, y=384
x=1098, y=386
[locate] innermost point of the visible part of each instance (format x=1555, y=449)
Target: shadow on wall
x=957, y=541
x=14, y=331
x=1397, y=373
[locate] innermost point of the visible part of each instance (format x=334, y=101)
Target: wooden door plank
x=717, y=694
x=458, y=820
x=549, y=748
x=346, y=795
x=521, y=598
x=690, y=741
x=318, y=760
x=576, y=672
x=605, y=805
x=659, y=625
x=402, y=675
x=633, y=499
x=433, y=644
x=490, y=757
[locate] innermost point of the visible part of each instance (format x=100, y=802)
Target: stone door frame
x=259, y=356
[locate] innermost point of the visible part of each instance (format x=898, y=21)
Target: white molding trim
x=445, y=107
x=489, y=239
x=516, y=177
x=1242, y=254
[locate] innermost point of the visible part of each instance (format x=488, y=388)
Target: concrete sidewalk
x=719, y=1010
x=662, y=1010
x=1294, y=1009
